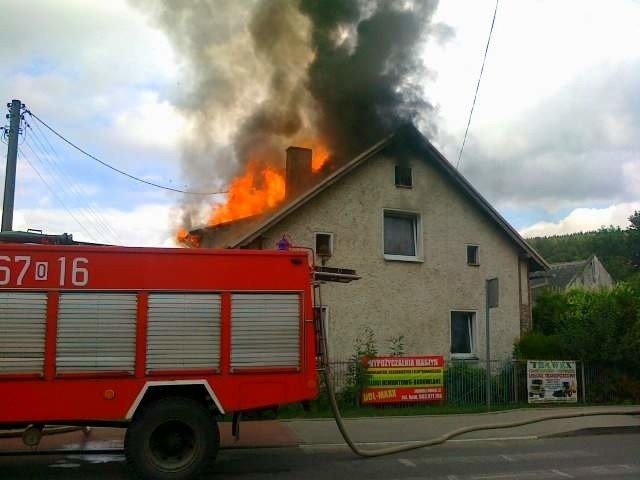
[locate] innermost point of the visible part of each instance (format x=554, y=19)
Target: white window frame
x=418, y=257
x=315, y=243
x=477, y=263
x=474, y=334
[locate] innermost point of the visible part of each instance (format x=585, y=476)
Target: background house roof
x=561, y=275
x=406, y=139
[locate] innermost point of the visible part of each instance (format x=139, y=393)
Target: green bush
x=464, y=384
x=549, y=311
x=538, y=346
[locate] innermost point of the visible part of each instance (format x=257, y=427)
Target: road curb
x=627, y=429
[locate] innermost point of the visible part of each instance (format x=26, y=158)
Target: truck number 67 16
x=23, y=267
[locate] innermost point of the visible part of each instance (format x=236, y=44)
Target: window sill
x=402, y=258
x=407, y=187
x=473, y=264
x=464, y=356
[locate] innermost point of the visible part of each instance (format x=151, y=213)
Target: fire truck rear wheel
x=172, y=439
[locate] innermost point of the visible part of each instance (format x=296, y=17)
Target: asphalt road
x=612, y=456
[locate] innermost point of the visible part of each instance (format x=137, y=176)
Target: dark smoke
x=369, y=86
x=273, y=73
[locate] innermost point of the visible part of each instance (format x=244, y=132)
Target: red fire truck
x=160, y=341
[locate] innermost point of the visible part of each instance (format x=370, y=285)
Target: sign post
x=492, y=296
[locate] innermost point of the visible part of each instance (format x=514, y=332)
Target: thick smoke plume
x=267, y=74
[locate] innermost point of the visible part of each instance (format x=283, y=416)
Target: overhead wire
x=475, y=96
x=53, y=192
x=56, y=187
x=115, y=169
x=66, y=189
x=75, y=188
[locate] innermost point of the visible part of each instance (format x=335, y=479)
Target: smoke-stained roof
x=405, y=137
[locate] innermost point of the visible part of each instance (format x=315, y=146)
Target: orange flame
x=188, y=239
x=259, y=188
x=320, y=154
x=256, y=190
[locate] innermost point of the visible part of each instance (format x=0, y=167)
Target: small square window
x=402, y=236
x=403, y=176
x=324, y=244
x=472, y=255
x=463, y=334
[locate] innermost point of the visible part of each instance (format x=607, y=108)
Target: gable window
x=402, y=236
x=324, y=244
x=403, y=176
x=473, y=255
x=463, y=331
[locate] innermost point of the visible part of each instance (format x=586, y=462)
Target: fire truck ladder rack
x=331, y=274
x=37, y=237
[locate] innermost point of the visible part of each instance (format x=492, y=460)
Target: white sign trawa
x=552, y=381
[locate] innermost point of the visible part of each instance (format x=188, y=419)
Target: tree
x=634, y=238
x=635, y=221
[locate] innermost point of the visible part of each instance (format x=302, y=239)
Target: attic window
x=324, y=244
x=403, y=176
x=472, y=255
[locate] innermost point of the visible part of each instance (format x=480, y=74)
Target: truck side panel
x=84, y=329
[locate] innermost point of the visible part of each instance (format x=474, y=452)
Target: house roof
x=561, y=275
x=406, y=136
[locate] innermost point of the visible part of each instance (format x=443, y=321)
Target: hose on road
x=367, y=453
x=45, y=431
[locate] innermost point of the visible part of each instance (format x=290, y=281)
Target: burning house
x=337, y=80
x=422, y=238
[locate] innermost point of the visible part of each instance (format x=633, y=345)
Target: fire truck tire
x=173, y=438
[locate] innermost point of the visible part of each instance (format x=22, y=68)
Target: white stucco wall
x=402, y=298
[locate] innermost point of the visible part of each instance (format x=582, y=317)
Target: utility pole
x=12, y=154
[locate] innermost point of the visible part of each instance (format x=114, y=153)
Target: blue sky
x=554, y=143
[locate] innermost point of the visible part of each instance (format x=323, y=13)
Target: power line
x=66, y=186
x=486, y=50
x=133, y=177
x=51, y=155
x=53, y=191
x=81, y=216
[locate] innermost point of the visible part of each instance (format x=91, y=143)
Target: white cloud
x=537, y=48
x=152, y=225
x=151, y=122
x=585, y=219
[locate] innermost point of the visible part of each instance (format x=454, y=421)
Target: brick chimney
x=298, y=176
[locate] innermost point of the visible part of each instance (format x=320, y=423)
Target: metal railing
x=465, y=382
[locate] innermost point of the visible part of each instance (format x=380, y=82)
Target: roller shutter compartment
x=183, y=331
x=23, y=319
x=265, y=330
x=96, y=332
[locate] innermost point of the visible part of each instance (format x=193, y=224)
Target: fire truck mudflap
x=160, y=341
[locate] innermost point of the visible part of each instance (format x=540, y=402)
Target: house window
x=402, y=235
x=463, y=333
x=472, y=255
x=324, y=244
x=403, y=176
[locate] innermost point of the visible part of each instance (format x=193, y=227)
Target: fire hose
x=368, y=453
x=42, y=431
